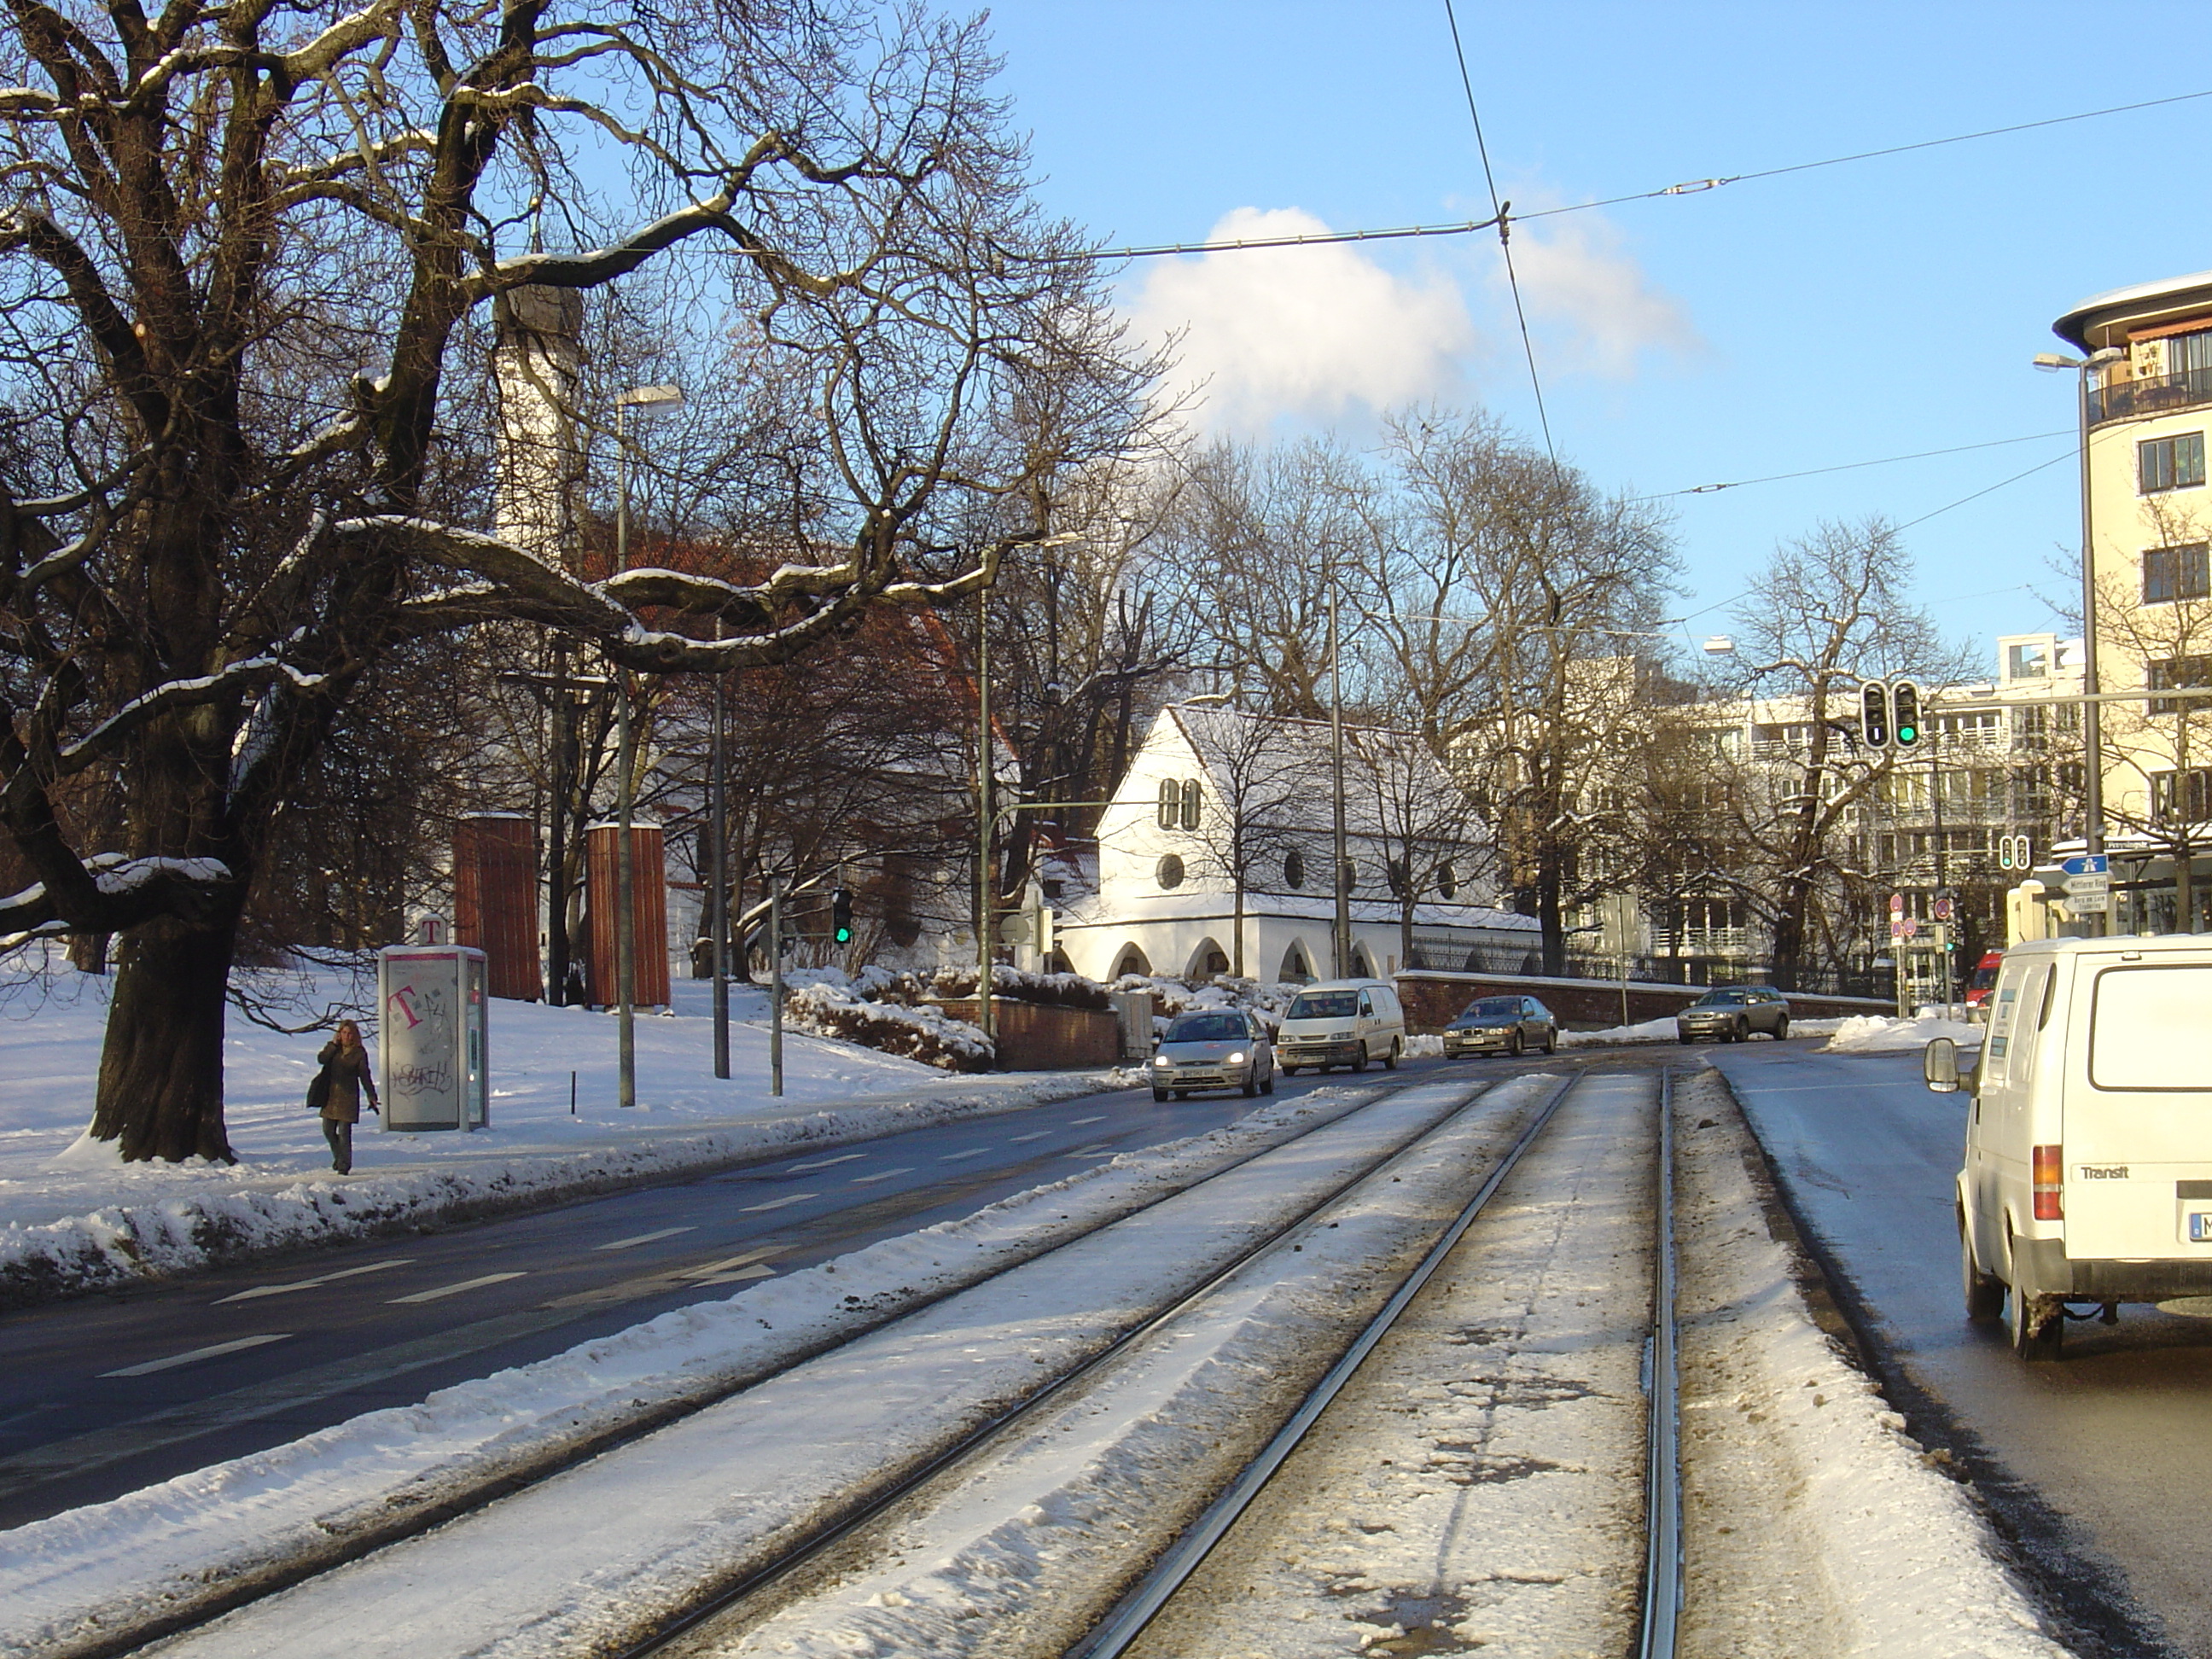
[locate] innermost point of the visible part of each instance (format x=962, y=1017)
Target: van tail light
x=2047, y=1166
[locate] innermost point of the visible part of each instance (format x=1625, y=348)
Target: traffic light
x=840, y=916
x=1873, y=714
x=1904, y=713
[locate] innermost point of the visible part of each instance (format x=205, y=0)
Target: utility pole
x=717, y=897
x=1341, y=932
x=775, y=985
x=984, y=905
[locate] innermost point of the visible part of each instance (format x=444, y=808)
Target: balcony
x=2151, y=394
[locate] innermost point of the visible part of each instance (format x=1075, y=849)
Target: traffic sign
x=1897, y=904
x=2088, y=864
x=2078, y=885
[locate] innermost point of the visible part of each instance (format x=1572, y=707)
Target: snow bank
x=1882, y=1034
x=74, y=1219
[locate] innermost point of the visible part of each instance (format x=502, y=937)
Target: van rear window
x=2150, y=1028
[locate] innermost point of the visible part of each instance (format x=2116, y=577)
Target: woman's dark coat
x=350, y=1074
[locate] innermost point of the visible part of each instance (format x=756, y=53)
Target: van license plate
x=2200, y=1227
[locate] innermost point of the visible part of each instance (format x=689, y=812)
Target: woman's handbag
x=318, y=1091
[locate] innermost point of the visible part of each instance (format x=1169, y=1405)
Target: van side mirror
x=1939, y=1065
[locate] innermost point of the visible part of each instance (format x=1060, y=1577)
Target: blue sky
x=1838, y=315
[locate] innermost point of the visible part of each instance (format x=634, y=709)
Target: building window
x=1294, y=870
x=2182, y=798
x=2176, y=573
x=1190, y=803
x=2172, y=674
x=2175, y=463
x=1170, y=803
x=2028, y=662
x=1171, y=872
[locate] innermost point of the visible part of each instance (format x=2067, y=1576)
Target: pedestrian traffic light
x=840, y=916
x=1904, y=713
x=1873, y=714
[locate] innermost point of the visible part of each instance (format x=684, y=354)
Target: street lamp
x=646, y=399
x=1341, y=927
x=2093, y=730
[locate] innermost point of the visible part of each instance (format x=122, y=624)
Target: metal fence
x=1438, y=950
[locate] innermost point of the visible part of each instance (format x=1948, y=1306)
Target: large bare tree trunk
x=161, y=1068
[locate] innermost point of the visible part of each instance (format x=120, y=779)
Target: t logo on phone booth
x=433, y=1047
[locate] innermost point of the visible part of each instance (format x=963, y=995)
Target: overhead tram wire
x=1502, y=220
x=1846, y=466
x=1689, y=187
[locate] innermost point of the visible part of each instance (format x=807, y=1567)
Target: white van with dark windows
x=1342, y=1021
x=2087, y=1175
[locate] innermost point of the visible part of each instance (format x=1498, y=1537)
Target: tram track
x=298, y=1576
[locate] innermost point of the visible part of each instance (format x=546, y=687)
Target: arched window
x=1394, y=873
x=1294, y=869
x=1171, y=872
x=1190, y=803
x=1170, y=803
x=1447, y=881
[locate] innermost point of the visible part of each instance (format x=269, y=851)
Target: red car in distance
x=1984, y=981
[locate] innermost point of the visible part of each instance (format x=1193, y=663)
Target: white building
x=1214, y=858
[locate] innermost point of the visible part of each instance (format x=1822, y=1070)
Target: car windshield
x=1718, y=1000
x=1492, y=1008
x=1208, y=1028
x=1324, y=1004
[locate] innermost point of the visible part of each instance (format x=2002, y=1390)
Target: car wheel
x=1390, y=1060
x=1290, y=1071
x=1252, y=1080
x=1182, y=1094
x=1268, y=1087
x=1160, y=1094
x=1742, y=1032
x=1513, y=1044
x=1360, y=1064
x=1551, y=1039
x=2023, y=1308
x=1682, y=1037
x=1782, y=1030
x=1984, y=1292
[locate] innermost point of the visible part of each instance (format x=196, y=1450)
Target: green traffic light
x=844, y=936
x=1908, y=734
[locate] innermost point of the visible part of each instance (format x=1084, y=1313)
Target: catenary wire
x=1845, y=466
x=1689, y=187
x=1502, y=217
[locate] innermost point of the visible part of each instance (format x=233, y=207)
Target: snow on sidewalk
x=74, y=1217
x=578, y=1560
x=1883, y=1033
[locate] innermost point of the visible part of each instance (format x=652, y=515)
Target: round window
x=1170, y=871
x=1294, y=870
x=1447, y=881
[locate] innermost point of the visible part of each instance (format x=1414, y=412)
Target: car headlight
x=1161, y=1060
x=1237, y=1060
x=1339, y=1037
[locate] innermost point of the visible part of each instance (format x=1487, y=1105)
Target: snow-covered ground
x=73, y=1217
x=578, y=1560
x=1884, y=1033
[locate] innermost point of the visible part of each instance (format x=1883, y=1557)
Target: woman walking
x=345, y=1063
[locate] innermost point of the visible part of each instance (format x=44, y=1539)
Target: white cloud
x=1300, y=333
x=1600, y=308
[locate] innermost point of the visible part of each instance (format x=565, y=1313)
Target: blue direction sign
x=2088, y=864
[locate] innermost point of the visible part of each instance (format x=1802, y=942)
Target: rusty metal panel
x=648, y=904
x=496, y=900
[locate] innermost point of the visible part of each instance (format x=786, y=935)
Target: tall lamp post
x=644, y=398
x=2093, y=725
x=1340, y=929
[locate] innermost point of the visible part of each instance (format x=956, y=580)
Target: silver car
x=1732, y=1013
x=1214, y=1048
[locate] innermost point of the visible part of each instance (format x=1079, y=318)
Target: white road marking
x=972, y=1151
x=730, y=1263
x=1036, y=1135
x=452, y=1290
x=1086, y=1151
x=885, y=1175
x=644, y=1238
x=208, y=1353
x=825, y=1162
x=1101, y=1118
x=778, y=1203
x=733, y=1277
x=309, y=1283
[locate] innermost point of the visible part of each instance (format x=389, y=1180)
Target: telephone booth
x=433, y=1053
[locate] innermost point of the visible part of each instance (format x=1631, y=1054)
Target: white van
x=1342, y=1021
x=2088, y=1166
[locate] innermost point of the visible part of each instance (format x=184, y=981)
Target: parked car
x=1502, y=1025
x=1731, y=1013
x=1214, y=1048
x=1343, y=1022
x=2088, y=1174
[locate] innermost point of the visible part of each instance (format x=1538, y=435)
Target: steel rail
x=1662, y=1555
x=812, y=1547
x=258, y=1584
x=1126, y=1619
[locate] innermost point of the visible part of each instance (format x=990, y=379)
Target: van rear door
x=2136, y=1113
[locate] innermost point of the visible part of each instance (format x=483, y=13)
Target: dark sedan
x=1502, y=1025
x=1732, y=1013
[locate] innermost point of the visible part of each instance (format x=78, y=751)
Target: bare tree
x=249, y=256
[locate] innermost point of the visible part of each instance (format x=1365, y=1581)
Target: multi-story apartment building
x=2149, y=406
